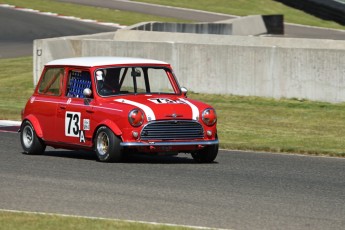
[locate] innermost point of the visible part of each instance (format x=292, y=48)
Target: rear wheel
x=206, y=155
x=29, y=140
x=107, y=145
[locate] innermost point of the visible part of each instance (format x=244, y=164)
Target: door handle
x=62, y=106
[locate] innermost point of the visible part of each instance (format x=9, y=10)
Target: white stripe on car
x=195, y=109
x=147, y=110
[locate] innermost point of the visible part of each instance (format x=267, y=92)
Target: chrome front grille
x=172, y=130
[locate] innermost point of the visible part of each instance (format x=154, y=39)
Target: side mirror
x=87, y=92
x=184, y=91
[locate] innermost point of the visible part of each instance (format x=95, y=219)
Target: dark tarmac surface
x=242, y=190
x=19, y=29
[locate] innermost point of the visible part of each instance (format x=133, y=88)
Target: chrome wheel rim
x=28, y=136
x=102, y=143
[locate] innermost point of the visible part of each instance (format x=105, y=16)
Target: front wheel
x=29, y=140
x=206, y=155
x=107, y=145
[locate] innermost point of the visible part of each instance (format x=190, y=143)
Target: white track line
x=9, y=123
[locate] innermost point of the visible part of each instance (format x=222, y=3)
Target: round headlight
x=209, y=117
x=136, y=117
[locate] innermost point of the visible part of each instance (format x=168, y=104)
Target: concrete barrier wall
x=263, y=41
x=250, y=66
x=251, y=25
x=248, y=25
x=46, y=50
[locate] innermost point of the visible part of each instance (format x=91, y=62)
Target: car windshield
x=135, y=80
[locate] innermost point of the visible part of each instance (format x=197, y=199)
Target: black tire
x=206, y=155
x=31, y=143
x=107, y=145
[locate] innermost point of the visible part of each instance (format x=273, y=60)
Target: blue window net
x=78, y=82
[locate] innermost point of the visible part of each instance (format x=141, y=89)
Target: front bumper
x=168, y=143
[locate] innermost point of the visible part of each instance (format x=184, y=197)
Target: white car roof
x=99, y=61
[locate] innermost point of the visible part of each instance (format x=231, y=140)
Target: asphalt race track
x=20, y=28
x=240, y=191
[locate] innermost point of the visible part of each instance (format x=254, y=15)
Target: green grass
x=238, y=7
x=247, y=123
x=263, y=124
x=16, y=83
x=88, y=12
x=250, y=7
x=31, y=221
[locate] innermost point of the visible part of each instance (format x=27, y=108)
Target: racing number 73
x=72, y=124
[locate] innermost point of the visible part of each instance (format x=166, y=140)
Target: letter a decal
x=81, y=136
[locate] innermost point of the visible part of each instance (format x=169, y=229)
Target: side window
x=78, y=81
x=51, y=82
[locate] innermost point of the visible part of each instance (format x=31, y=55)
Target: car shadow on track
x=128, y=159
x=82, y=155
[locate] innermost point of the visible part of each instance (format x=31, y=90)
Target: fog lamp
x=135, y=134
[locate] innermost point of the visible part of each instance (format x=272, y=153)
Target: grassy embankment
x=251, y=7
x=238, y=7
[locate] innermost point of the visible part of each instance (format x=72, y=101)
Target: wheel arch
x=111, y=125
x=35, y=124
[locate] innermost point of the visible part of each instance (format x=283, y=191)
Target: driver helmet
x=99, y=75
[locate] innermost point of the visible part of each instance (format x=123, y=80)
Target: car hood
x=162, y=107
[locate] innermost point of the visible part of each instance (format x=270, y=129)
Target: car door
x=74, y=113
x=46, y=100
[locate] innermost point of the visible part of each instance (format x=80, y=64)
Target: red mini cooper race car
x=116, y=106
